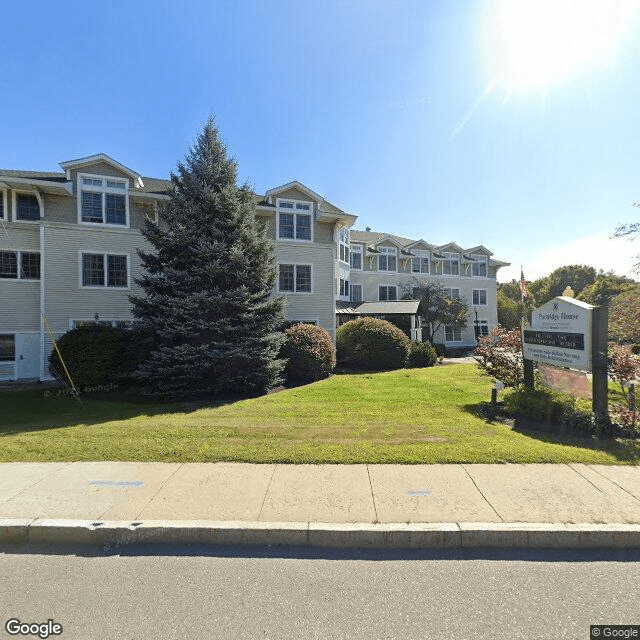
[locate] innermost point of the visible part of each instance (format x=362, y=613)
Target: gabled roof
x=102, y=157
x=479, y=249
x=295, y=185
x=451, y=246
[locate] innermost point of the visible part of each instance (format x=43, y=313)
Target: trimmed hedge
x=422, y=354
x=309, y=352
x=97, y=355
x=371, y=343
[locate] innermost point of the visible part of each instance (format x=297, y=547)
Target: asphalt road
x=244, y=592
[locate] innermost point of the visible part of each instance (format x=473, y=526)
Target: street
x=257, y=592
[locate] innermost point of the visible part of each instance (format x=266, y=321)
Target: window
x=481, y=328
x=387, y=259
x=356, y=256
x=454, y=294
x=451, y=264
x=452, y=334
x=479, y=268
x=27, y=207
x=420, y=264
x=294, y=220
x=104, y=270
x=3, y=203
x=294, y=278
x=19, y=265
x=387, y=292
x=7, y=347
x=479, y=297
x=343, y=250
x=344, y=287
x=103, y=200
x=355, y=293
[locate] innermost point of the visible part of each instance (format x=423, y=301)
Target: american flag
x=524, y=292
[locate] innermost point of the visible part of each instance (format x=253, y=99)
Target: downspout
x=43, y=262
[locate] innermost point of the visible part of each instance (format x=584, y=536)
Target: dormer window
x=103, y=200
x=387, y=258
x=420, y=264
x=451, y=264
x=479, y=267
x=27, y=207
x=294, y=220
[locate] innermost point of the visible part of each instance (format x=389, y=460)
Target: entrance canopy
x=408, y=309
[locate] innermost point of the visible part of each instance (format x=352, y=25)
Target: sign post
x=568, y=333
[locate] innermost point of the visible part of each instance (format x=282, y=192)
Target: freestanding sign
x=569, y=333
x=560, y=334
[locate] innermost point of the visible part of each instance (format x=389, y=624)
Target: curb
x=113, y=535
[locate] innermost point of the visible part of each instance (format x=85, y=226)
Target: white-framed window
x=98, y=270
x=355, y=293
x=344, y=287
x=387, y=292
x=451, y=264
x=294, y=220
x=420, y=264
x=294, y=278
x=479, y=267
x=387, y=259
x=103, y=200
x=343, y=245
x=356, y=257
x=479, y=297
x=452, y=334
x=481, y=328
x=7, y=347
x=452, y=292
x=19, y=265
x=26, y=206
x=3, y=204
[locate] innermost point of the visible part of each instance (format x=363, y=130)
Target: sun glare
x=538, y=42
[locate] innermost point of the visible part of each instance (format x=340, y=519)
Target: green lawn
x=408, y=416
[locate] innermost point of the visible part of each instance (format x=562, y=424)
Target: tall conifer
x=209, y=283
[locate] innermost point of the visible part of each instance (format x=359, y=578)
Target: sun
x=535, y=43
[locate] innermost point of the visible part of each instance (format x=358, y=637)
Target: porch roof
x=395, y=307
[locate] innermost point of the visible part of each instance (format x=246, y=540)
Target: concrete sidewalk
x=393, y=506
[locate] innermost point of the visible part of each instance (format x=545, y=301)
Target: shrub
x=422, y=354
x=499, y=356
x=97, y=355
x=371, y=343
x=309, y=352
x=545, y=405
x=441, y=350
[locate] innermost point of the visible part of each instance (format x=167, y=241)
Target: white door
x=28, y=355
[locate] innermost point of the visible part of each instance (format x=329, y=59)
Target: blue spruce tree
x=209, y=283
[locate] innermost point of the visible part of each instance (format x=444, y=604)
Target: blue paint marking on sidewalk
x=420, y=492
x=117, y=483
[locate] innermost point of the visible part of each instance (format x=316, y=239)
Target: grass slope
x=407, y=416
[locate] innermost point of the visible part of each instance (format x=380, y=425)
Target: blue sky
x=402, y=112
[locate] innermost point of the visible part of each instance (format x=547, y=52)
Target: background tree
x=209, y=284
x=630, y=230
x=624, y=316
x=578, y=277
x=606, y=286
x=436, y=307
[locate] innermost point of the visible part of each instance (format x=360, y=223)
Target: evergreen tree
x=209, y=284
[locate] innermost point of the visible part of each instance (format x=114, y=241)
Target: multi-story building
x=68, y=256
x=384, y=268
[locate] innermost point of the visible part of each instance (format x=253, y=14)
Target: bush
x=309, y=352
x=422, y=354
x=96, y=355
x=441, y=350
x=371, y=343
x=499, y=355
x=545, y=405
